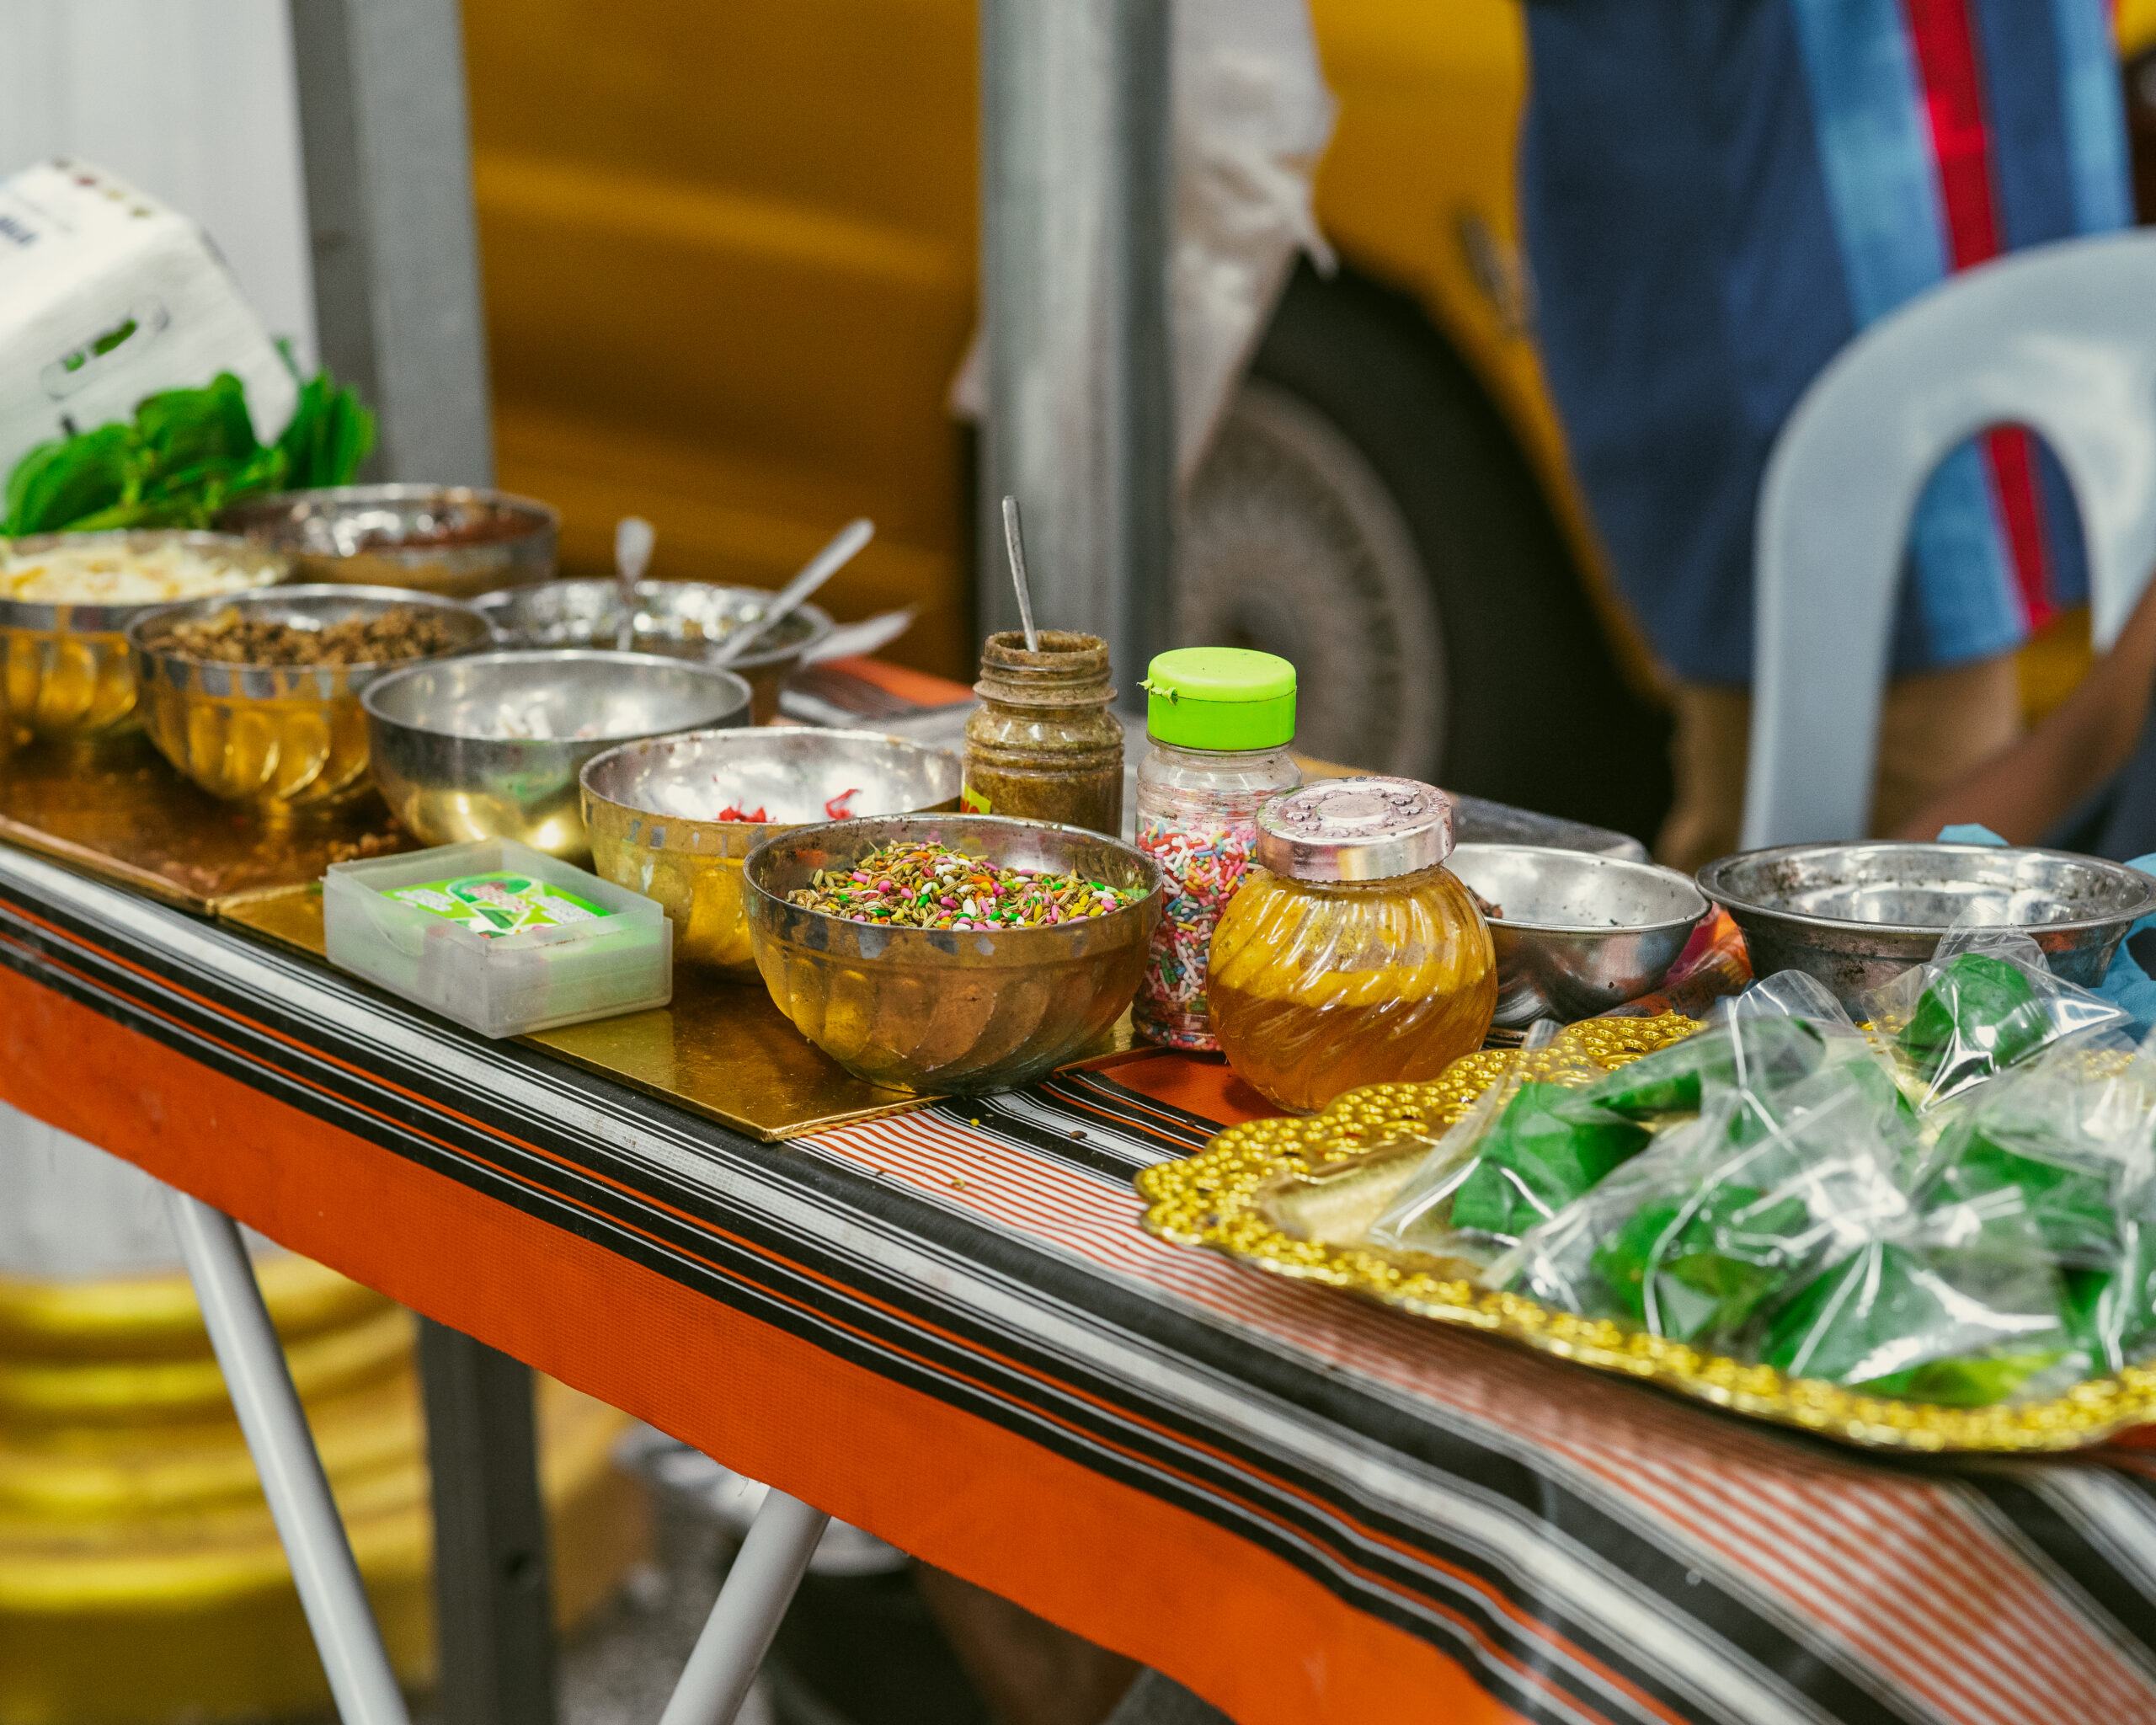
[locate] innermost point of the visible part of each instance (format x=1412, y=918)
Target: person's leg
x=1937, y=727
x=1707, y=752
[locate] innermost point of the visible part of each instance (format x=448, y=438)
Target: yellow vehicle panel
x=730, y=256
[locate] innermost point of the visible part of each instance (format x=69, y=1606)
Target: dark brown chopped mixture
x=405, y=633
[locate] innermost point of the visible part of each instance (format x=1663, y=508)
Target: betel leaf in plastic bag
x=2111, y=1312
x=1528, y=1148
x=1775, y=1050
x=1704, y=1265
x=1546, y=1148
x=1694, y=1239
x=1967, y=1309
x=1985, y=1002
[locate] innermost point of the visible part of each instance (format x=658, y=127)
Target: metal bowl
x=284, y=735
x=964, y=1011
x=679, y=619
x=1857, y=916
x=648, y=806
x=1580, y=933
x=490, y=746
x=450, y=540
x=66, y=670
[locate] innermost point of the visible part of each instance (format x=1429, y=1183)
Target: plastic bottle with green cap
x=1220, y=721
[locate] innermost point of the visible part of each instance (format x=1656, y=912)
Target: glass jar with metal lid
x=1043, y=745
x=1350, y=955
x=1219, y=721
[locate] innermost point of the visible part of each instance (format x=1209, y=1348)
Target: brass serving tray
x=114, y=808
x=721, y=1049
x=1295, y=1198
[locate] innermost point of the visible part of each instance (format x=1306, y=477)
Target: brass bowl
x=286, y=736
x=677, y=619
x=451, y=541
x=68, y=674
x=952, y=1011
x=647, y=807
x=490, y=745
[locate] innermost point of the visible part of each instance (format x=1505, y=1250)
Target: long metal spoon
x=1014, y=542
x=633, y=538
x=845, y=545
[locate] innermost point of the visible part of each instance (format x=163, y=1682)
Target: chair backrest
x=2061, y=338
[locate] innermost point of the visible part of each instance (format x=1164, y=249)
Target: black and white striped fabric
x=1583, y=1549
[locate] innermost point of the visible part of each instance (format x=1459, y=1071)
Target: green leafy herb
x=186, y=455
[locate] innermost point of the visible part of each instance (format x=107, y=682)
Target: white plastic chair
x=2061, y=338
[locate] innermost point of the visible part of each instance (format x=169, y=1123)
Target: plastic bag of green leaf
x=1967, y=1309
x=1984, y=1003
x=1720, y=1219
x=2071, y=1130
x=2073, y=1133
x=1528, y=1148
x=1778, y=1035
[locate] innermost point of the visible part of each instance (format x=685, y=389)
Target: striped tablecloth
x=947, y=1328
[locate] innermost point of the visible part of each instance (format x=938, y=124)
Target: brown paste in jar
x=1045, y=745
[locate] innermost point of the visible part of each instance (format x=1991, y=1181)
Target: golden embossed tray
x=115, y=809
x=1295, y=1198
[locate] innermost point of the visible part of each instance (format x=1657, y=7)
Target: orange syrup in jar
x=1317, y=988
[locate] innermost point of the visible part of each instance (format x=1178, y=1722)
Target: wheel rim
x=1291, y=544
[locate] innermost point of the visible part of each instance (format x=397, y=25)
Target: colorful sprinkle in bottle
x=1219, y=720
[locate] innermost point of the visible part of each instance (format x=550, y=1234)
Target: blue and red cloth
x=1718, y=194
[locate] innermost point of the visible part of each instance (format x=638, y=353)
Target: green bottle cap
x=1220, y=697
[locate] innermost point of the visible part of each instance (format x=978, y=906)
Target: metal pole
x=745, y=1616
x=277, y=1437
x=493, y=1608
x=1075, y=111
x=388, y=161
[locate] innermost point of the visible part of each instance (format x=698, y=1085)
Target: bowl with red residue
x=674, y=817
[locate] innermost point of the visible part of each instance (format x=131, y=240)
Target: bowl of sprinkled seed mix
x=952, y=953
x=674, y=818
x=256, y=696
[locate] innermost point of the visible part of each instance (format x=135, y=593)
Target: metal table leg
x=283, y=1448
x=746, y=1615
x=492, y=1605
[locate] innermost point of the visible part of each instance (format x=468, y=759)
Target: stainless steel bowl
x=964, y=1011
x=66, y=670
x=650, y=808
x=281, y=735
x=444, y=539
x=1580, y=933
x=679, y=619
x=1855, y=915
x=490, y=746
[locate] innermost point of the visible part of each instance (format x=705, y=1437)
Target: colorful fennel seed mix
x=902, y=885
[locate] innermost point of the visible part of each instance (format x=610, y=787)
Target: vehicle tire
x=1365, y=512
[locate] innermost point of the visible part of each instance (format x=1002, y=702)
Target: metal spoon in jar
x=819, y=569
x=1014, y=542
x=633, y=538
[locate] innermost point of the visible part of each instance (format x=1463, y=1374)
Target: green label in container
x=499, y=904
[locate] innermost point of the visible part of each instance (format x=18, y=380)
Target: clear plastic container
x=1197, y=814
x=1321, y=984
x=612, y=951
